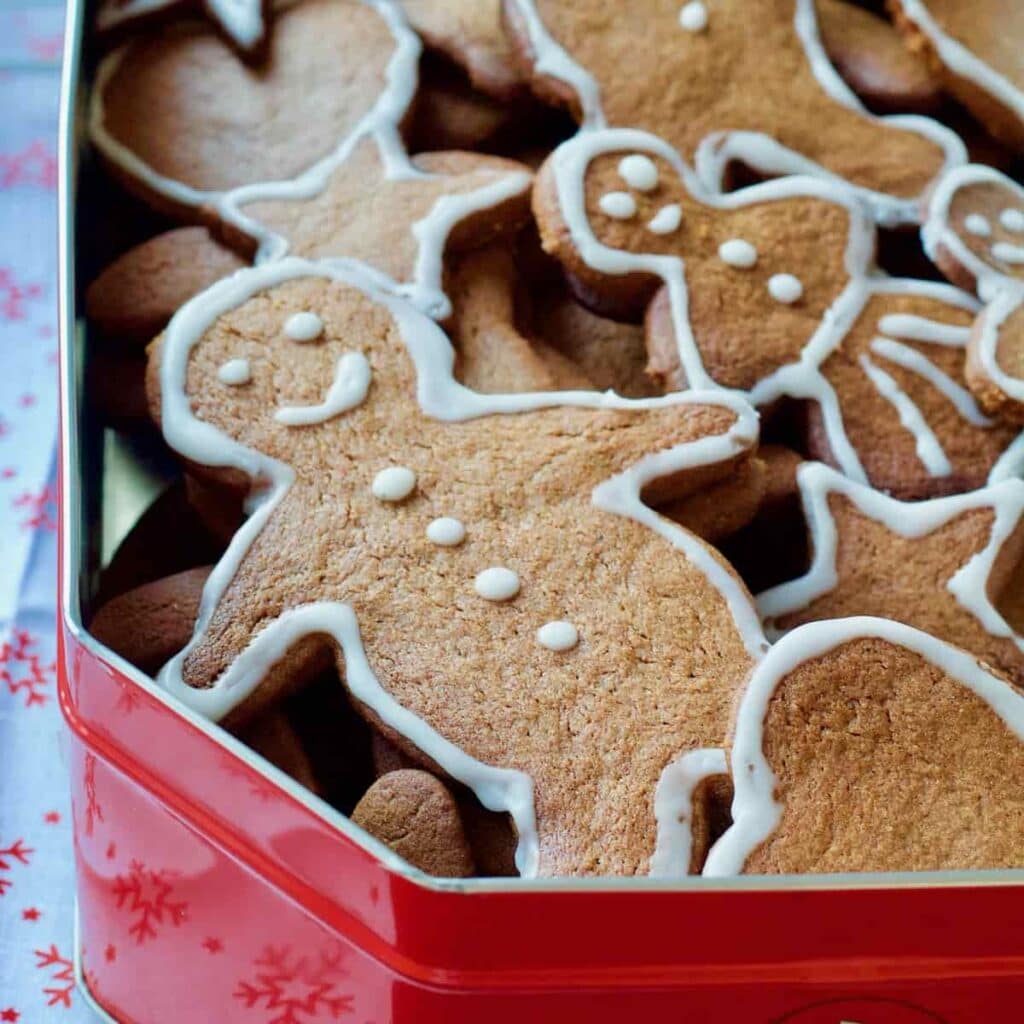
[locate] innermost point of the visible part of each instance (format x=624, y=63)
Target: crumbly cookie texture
x=401, y=531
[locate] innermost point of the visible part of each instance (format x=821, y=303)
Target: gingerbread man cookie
x=995, y=356
x=729, y=82
x=771, y=291
x=487, y=568
x=939, y=565
x=865, y=745
x=975, y=49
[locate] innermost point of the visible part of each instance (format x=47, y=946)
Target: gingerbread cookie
x=939, y=565
x=869, y=54
x=415, y=815
x=974, y=229
x=273, y=737
x=727, y=83
x=456, y=527
x=975, y=50
x=470, y=33
x=132, y=300
x=241, y=22
x=866, y=745
x=995, y=357
x=771, y=291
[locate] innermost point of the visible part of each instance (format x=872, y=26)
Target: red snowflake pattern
x=16, y=852
x=61, y=970
x=36, y=165
x=13, y=295
x=41, y=509
x=93, y=811
x=22, y=669
x=295, y=988
x=145, y=894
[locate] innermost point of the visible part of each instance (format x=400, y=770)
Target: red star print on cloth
x=22, y=669
x=14, y=296
x=10, y=1014
x=31, y=914
x=35, y=164
x=146, y=895
x=40, y=508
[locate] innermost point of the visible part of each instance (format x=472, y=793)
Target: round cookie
x=136, y=295
x=873, y=61
x=939, y=565
x=995, y=357
x=708, y=90
x=865, y=745
x=414, y=814
x=975, y=50
x=333, y=551
x=772, y=291
x=273, y=737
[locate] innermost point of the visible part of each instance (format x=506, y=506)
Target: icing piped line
x=755, y=811
x=801, y=379
x=348, y=390
x=673, y=809
x=999, y=310
x=906, y=519
x=442, y=397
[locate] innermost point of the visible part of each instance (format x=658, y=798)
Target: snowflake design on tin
x=17, y=852
x=296, y=988
x=146, y=895
x=93, y=810
x=62, y=976
x=22, y=669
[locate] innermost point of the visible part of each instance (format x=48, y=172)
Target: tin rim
x=70, y=610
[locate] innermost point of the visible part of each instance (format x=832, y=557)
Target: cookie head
x=864, y=745
x=975, y=229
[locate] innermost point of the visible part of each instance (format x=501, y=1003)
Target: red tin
x=213, y=888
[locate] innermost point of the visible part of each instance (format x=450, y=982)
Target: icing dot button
x=235, y=372
x=978, y=225
x=304, y=327
x=739, y=253
x=446, y=532
x=394, y=483
x=558, y=636
x=497, y=584
x=785, y=288
x=694, y=17
x=1012, y=220
x=620, y=205
x=666, y=220
x=639, y=172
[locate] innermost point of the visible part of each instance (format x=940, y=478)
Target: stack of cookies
x=599, y=424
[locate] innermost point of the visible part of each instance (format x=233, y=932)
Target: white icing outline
x=241, y=21
x=755, y=811
x=938, y=234
x=441, y=397
x=911, y=520
x=962, y=62
x=717, y=150
x=380, y=125
x=996, y=313
x=673, y=809
x=801, y=379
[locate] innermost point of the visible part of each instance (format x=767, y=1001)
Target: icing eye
x=978, y=225
x=303, y=327
x=666, y=220
x=235, y=372
x=620, y=205
x=558, y=636
x=497, y=584
x=739, y=253
x=639, y=172
x=694, y=17
x=394, y=483
x=785, y=288
x=1012, y=220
